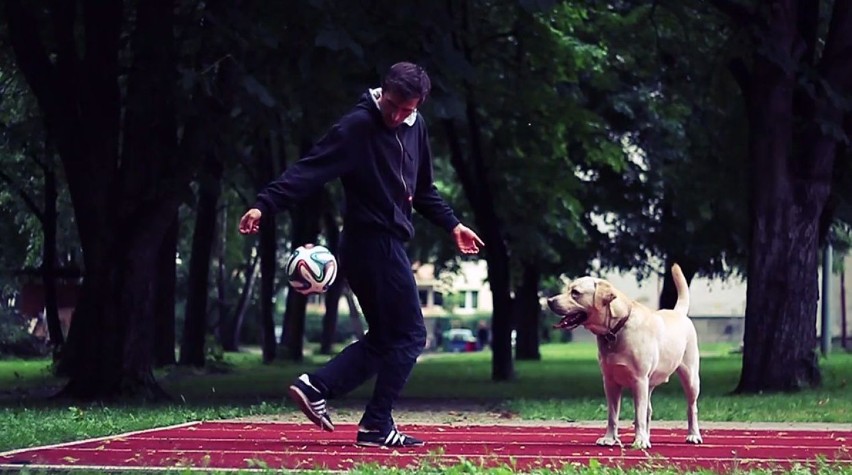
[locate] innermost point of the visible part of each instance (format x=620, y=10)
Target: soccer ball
x=311, y=269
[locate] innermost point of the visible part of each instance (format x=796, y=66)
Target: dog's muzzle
x=572, y=320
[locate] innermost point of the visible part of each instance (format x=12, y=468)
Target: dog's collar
x=619, y=325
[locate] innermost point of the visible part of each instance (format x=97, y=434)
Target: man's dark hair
x=408, y=80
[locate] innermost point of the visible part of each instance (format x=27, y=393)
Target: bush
x=342, y=334
x=15, y=340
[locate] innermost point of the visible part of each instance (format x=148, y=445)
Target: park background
x=611, y=138
x=576, y=137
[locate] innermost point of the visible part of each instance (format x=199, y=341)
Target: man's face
x=395, y=109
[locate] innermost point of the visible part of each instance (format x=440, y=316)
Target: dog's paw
x=641, y=443
x=694, y=439
x=608, y=441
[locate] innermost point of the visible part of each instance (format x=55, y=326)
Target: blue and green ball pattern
x=311, y=269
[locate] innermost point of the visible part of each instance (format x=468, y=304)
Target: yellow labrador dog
x=638, y=349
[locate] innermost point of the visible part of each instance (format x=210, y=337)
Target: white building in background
x=717, y=306
x=709, y=298
x=839, y=302
x=468, y=287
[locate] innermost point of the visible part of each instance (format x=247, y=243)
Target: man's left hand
x=466, y=240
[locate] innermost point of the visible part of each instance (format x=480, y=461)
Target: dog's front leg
x=650, y=411
x=613, y=406
x=641, y=405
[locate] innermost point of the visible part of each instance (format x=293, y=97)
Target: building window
x=474, y=299
x=439, y=299
x=424, y=295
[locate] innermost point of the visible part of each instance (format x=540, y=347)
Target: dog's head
x=591, y=302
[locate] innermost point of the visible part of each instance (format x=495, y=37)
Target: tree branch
x=28, y=201
x=459, y=163
x=31, y=55
x=738, y=12
x=742, y=76
x=836, y=63
x=808, y=24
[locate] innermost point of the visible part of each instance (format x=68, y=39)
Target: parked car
x=460, y=340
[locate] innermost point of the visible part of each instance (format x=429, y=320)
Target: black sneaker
x=311, y=402
x=394, y=438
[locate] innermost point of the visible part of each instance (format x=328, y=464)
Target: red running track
x=244, y=445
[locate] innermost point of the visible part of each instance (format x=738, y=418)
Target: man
x=380, y=150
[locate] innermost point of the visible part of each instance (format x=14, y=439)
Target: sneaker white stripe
x=395, y=438
x=315, y=411
x=305, y=379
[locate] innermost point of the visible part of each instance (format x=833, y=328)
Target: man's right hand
x=250, y=222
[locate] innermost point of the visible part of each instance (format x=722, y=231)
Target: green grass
x=564, y=385
x=24, y=374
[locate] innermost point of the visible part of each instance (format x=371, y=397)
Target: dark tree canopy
x=574, y=137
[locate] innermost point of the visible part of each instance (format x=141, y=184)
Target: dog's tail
x=682, y=287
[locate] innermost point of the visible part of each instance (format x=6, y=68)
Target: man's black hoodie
x=385, y=172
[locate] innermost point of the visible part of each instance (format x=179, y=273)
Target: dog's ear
x=604, y=294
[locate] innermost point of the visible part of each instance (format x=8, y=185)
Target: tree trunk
x=527, y=313
x=305, y=228
x=231, y=336
x=473, y=173
x=150, y=179
x=331, y=315
x=843, y=333
x=354, y=314
x=49, y=261
x=474, y=179
x=119, y=282
x=164, y=310
x=502, y=365
x=781, y=299
x=195, y=320
x=332, y=297
x=780, y=335
x=221, y=322
x=119, y=159
x=94, y=365
x=268, y=269
x=795, y=123
x=293, y=332
x=138, y=300
x=305, y=221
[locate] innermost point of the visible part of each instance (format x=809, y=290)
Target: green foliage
x=667, y=97
x=214, y=356
x=344, y=331
x=15, y=339
x=612, y=132
x=840, y=238
x=24, y=159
